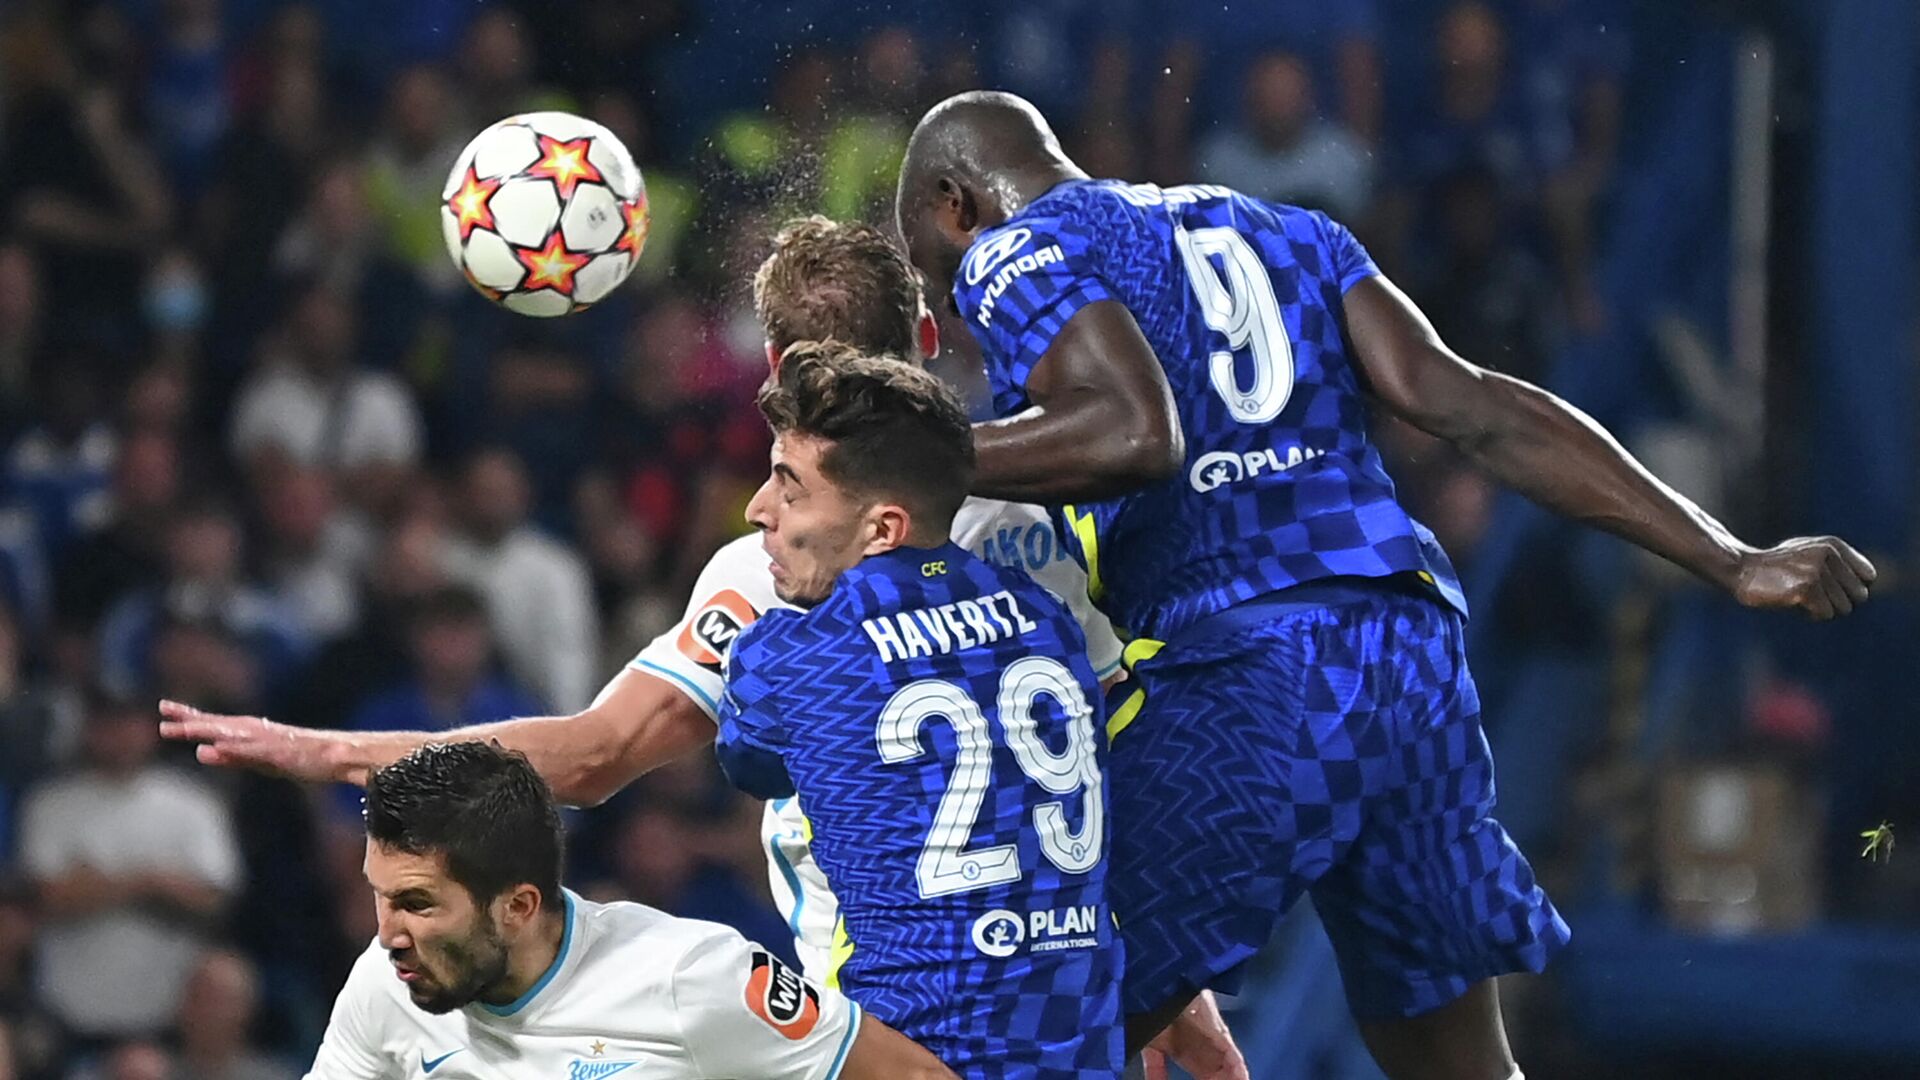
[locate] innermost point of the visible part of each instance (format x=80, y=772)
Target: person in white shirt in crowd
x=216, y=1022
x=133, y=863
x=1283, y=151
x=308, y=402
x=539, y=592
x=484, y=966
x=823, y=280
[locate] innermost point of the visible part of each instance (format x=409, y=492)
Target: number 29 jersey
x=936, y=716
x=1241, y=301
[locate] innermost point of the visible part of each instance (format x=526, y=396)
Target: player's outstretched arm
x=639, y=722
x=1558, y=456
x=1102, y=423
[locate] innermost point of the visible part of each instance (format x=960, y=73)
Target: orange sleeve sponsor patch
x=778, y=995
x=707, y=636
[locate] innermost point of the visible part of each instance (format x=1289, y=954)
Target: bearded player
x=822, y=280
x=1189, y=373
x=485, y=966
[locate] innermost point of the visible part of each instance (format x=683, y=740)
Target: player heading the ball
x=486, y=967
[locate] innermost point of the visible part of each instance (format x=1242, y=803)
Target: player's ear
x=519, y=906
x=773, y=358
x=969, y=211
x=888, y=525
x=959, y=205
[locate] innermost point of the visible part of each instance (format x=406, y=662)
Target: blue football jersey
x=936, y=716
x=1241, y=301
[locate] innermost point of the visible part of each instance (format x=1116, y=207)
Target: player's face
x=938, y=233
x=812, y=529
x=444, y=945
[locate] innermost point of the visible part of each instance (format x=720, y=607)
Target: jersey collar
x=906, y=562
x=559, y=960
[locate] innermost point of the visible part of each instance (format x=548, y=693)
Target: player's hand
x=251, y=742
x=1197, y=1041
x=1819, y=575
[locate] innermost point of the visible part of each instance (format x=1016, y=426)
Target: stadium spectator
x=261, y=175
x=20, y=332
x=82, y=188
x=860, y=157
x=1283, y=152
x=174, y=302
x=496, y=72
x=407, y=165
x=452, y=683
x=312, y=551
x=139, y=1060
x=408, y=567
x=216, y=1021
x=58, y=469
x=32, y=1034
x=38, y=726
x=1572, y=60
x=1489, y=295
x=310, y=402
x=664, y=856
x=205, y=625
x=126, y=551
x=770, y=156
x=185, y=97
x=335, y=239
x=538, y=592
x=133, y=863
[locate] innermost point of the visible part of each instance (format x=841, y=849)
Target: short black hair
x=479, y=805
x=895, y=429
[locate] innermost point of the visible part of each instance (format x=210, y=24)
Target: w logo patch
x=777, y=994
x=710, y=633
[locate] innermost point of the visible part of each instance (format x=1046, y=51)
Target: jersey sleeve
x=1351, y=263
x=692, y=655
x=753, y=737
x=1017, y=287
x=744, y=1014
x=350, y=1050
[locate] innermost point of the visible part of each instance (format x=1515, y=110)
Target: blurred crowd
x=261, y=449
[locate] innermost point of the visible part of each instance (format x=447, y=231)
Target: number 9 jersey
x=1240, y=300
x=937, y=716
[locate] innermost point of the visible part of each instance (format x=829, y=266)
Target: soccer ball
x=544, y=213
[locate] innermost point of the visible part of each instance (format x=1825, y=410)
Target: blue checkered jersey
x=936, y=717
x=1241, y=301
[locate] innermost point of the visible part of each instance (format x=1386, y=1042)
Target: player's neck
x=1022, y=186
x=530, y=958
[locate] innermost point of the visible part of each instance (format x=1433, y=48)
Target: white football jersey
x=634, y=992
x=737, y=586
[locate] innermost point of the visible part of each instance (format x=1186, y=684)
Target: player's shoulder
x=641, y=949
x=1060, y=226
x=979, y=519
x=775, y=637
x=622, y=930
